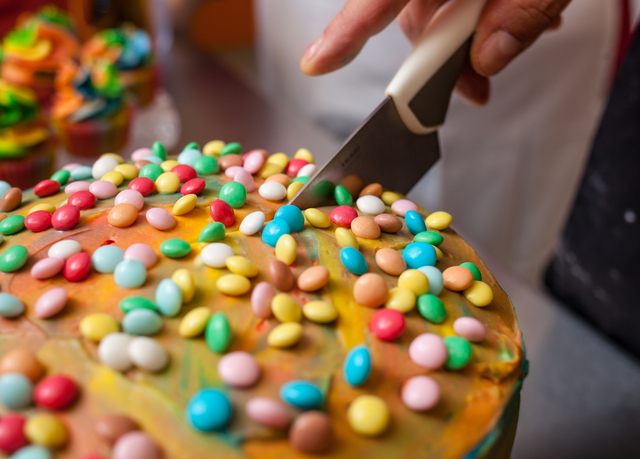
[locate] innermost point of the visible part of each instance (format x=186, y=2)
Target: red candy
x=37, y=221
x=77, y=267
x=193, y=186
x=143, y=184
x=56, y=392
x=83, y=200
x=222, y=212
x=387, y=324
x=12, y=436
x=46, y=188
x=343, y=216
x=184, y=172
x=66, y=217
x=295, y=165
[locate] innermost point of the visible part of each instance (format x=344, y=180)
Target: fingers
x=473, y=87
x=416, y=15
x=507, y=27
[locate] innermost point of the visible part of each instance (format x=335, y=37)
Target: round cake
x=178, y=308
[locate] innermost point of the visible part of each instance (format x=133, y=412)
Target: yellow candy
x=113, y=155
x=320, y=312
x=278, y=158
x=346, y=238
x=317, y=218
x=43, y=206
x=305, y=154
x=213, y=147
x=185, y=204
x=46, y=430
x=285, y=335
x=269, y=169
x=194, y=322
x=438, y=220
x=286, y=249
x=114, y=177
x=368, y=415
x=128, y=171
x=97, y=326
x=401, y=299
x=233, y=284
x=415, y=281
x=389, y=197
x=169, y=164
x=479, y=294
x=293, y=189
x=168, y=183
x=285, y=308
x=187, y=284
x=439, y=253
x=242, y=266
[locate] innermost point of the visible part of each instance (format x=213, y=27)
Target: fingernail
x=311, y=50
x=497, y=51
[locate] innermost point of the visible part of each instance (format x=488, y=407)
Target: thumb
x=508, y=27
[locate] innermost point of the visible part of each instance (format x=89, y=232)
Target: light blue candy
x=301, y=394
x=273, y=230
x=209, y=410
x=168, y=298
x=189, y=157
x=16, y=391
x=414, y=222
x=436, y=282
x=81, y=173
x=106, y=258
x=130, y=274
x=292, y=215
x=153, y=159
x=357, y=365
x=353, y=260
x=419, y=254
x=32, y=452
x=4, y=187
x=142, y=322
x=10, y=306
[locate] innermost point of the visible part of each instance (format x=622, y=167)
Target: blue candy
x=292, y=215
x=142, y=322
x=4, y=187
x=419, y=254
x=357, y=366
x=301, y=394
x=10, y=306
x=153, y=159
x=168, y=298
x=353, y=260
x=273, y=230
x=189, y=157
x=130, y=274
x=106, y=258
x=209, y=410
x=32, y=452
x=81, y=173
x=414, y=222
x=436, y=282
x=16, y=391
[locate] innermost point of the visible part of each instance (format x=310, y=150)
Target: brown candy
x=280, y=275
x=227, y=161
x=114, y=426
x=388, y=223
x=370, y=290
x=11, y=199
x=123, y=215
x=365, y=228
x=374, y=189
x=311, y=433
x=140, y=164
x=22, y=361
x=2, y=216
x=284, y=179
x=312, y=279
x=390, y=261
x=457, y=278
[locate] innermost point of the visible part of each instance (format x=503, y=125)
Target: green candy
x=233, y=148
x=431, y=308
x=136, y=302
x=157, y=149
x=61, y=176
x=191, y=146
x=301, y=179
x=175, y=248
x=430, y=237
x=206, y=165
x=13, y=258
x=234, y=194
x=343, y=197
x=218, y=333
x=459, y=352
x=477, y=275
x=152, y=171
x=12, y=225
x=213, y=232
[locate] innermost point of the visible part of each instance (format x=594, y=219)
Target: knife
x=398, y=142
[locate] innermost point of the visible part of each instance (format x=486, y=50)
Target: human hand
x=505, y=29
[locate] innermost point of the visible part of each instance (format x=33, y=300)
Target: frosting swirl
x=126, y=47
x=20, y=128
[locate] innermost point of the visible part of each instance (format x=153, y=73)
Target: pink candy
x=51, y=303
x=268, y=412
x=141, y=153
x=261, y=298
x=160, y=219
x=71, y=166
x=428, y=351
x=470, y=328
x=135, y=445
x=130, y=197
x=76, y=186
x=232, y=171
x=253, y=162
x=47, y=267
x=401, y=206
x=103, y=189
x=143, y=253
x=238, y=369
x=245, y=178
x=420, y=393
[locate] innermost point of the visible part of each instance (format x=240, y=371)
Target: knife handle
x=422, y=87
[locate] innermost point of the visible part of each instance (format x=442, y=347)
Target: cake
x=312, y=334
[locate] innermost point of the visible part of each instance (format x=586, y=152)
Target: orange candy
x=22, y=361
x=365, y=228
x=457, y=278
x=370, y=290
x=123, y=215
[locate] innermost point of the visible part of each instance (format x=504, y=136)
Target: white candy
x=252, y=223
x=102, y=166
x=216, y=254
x=307, y=170
x=371, y=205
x=147, y=354
x=272, y=191
x=64, y=249
x=113, y=351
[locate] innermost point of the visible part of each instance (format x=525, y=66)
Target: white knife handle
x=452, y=25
